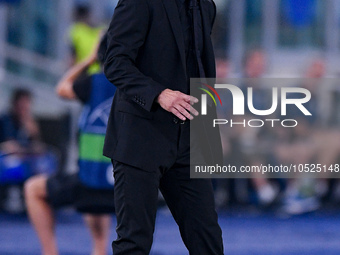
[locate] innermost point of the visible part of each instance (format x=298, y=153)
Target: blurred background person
x=22, y=154
x=254, y=139
x=18, y=128
x=93, y=195
x=311, y=142
x=84, y=35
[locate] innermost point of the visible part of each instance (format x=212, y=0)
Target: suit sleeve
x=126, y=35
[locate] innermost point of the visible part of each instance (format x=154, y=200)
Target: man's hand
x=178, y=103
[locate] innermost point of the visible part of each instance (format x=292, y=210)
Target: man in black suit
x=154, y=48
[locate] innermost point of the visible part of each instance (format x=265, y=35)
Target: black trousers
x=190, y=201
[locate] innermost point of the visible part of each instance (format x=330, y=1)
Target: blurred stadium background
x=35, y=51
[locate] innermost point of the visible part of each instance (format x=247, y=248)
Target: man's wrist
x=157, y=98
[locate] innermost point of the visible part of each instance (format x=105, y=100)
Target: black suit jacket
x=146, y=55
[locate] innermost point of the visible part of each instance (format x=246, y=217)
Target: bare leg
x=99, y=226
x=40, y=213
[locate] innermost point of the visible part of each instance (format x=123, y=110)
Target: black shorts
x=67, y=190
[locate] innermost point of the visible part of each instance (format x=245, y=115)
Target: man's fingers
x=194, y=111
x=178, y=103
x=190, y=99
x=193, y=100
x=178, y=114
x=189, y=108
x=184, y=112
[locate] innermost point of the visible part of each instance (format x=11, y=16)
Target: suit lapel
x=173, y=16
x=206, y=20
x=208, y=12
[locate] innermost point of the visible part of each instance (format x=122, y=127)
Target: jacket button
x=175, y=120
